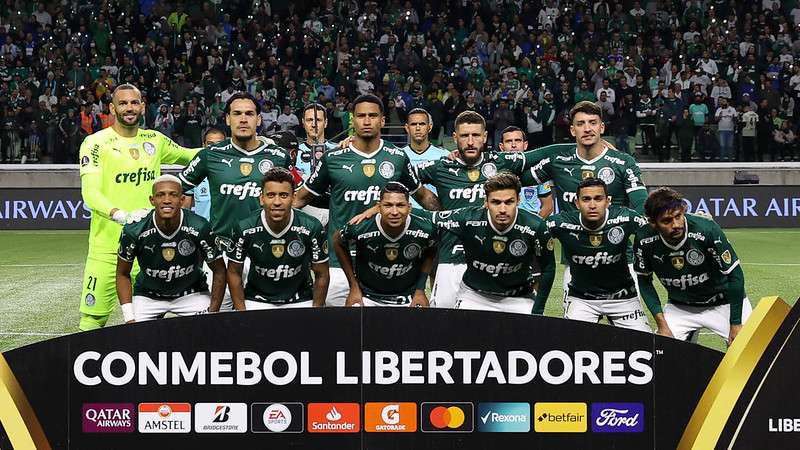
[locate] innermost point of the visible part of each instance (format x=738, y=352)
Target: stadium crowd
x=717, y=78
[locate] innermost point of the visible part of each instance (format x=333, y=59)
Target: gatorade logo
x=390, y=417
x=447, y=417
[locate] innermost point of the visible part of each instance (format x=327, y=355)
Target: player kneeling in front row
x=501, y=243
x=696, y=264
x=395, y=251
x=170, y=245
x=283, y=245
x=594, y=240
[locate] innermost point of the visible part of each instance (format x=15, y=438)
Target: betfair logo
x=560, y=417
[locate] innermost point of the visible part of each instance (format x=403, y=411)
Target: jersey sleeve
x=723, y=251
x=426, y=171
x=552, y=225
x=634, y=186
x=206, y=241
x=240, y=245
x=195, y=172
x=641, y=262
x=347, y=232
x=91, y=161
x=543, y=190
x=409, y=176
x=128, y=248
x=319, y=244
x=547, y=266
x=320, y=180
x=537, y=164
x=450, y=220
x=513, y=162
x=172, y=153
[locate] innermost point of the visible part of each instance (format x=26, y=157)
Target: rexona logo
x=447, y=417
x=220, y=418
x=390, y=417
x=165, y=417
x=617, y=417
x=276, y=417
x=504, y=417
x=107, y=418
x=560, y=417
x=334, y=418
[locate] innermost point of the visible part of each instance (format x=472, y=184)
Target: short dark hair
x=470, y=117
x=662, y=200
x=241, y=96
x=591, y=182
x=368, y=98
x=395, y=187
x=315, y=106
x=278, y=175
x=420, y=111
x=212, y=130
x=585, y=107
x=511, y=129
x=502, y=180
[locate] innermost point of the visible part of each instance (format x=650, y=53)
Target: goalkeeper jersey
x=118, y=172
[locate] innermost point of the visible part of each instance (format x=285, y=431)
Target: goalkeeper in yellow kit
x=118, y=167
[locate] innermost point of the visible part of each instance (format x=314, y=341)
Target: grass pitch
x=41, y=272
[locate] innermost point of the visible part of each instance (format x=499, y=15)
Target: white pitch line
x=42, y=265
x=10, y=333
x=771, y=264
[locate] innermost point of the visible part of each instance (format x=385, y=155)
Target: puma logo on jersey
x=575, y=235
x=349, y=168
x=455, y=171
x=717, y=241
x=260, y=247
x=659, y=258
x=569, y=171
x=480, y=239
x=373, y=249
x=227, y=161
x=149, y=247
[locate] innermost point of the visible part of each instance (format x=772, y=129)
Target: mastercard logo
x=452, y=417
x=447, y=417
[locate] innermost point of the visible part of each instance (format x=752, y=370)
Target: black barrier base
x=453, y=379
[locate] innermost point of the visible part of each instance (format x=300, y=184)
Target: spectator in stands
x=726, y=118
x=749, y=122
x=288, y=121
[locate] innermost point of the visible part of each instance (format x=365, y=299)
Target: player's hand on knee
x=419, y=300
x=354, y=299
x=735, y=329
x=664, y=331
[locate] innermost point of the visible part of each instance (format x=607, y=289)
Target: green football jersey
x=498, y=263
x=561, y=164
x=170, y=266
x=597, y=258
x=388, y=268
x=234, y=179
x=280, y=263
x=461, y=186
x=355, y=180
x=118, y=172
x=694, y=271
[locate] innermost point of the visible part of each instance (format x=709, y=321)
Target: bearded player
x=503, y=246
x=394, y=253
x=594, y=240
x=118, y=166
x=693, y=259
x=355, y=176
x=283, y=245
x=170, y=245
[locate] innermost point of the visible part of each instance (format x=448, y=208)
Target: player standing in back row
x=355, y=176
x=419, y=148
x=309, y=154
x=118, y=166
x=693, y=259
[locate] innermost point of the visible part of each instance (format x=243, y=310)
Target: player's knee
x=91, y=322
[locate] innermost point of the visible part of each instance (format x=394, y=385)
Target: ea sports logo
x=452, y=417
x=277, y=417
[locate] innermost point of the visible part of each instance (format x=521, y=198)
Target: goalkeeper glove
x=122, y=217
